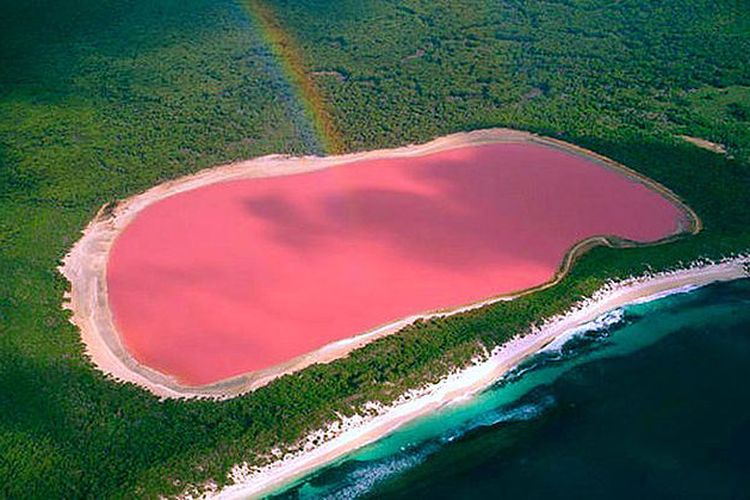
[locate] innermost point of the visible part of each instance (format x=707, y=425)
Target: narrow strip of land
x=251, y=482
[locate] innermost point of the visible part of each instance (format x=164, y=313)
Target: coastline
x=352, y=433
x=85, y=266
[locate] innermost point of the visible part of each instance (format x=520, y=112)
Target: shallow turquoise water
x=653, y=403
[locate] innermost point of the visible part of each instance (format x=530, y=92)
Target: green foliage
x=719, y=114
x=99, y=100
x=421, y=68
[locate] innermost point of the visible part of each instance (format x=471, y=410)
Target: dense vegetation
x=416, y=69
x=99, y=100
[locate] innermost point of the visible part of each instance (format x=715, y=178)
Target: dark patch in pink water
x=243, y=275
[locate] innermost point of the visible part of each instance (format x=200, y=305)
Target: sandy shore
x=86, y=264
x=349, y=434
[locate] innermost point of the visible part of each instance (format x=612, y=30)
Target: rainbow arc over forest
x=287, y=52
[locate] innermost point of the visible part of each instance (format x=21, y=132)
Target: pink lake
x=243, y=275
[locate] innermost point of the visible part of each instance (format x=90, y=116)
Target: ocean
x=648, y=401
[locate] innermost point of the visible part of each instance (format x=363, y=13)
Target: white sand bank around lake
x=85, y=266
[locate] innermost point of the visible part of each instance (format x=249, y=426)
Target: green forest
x=100, y=100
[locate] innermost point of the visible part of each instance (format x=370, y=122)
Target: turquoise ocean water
x=652, y=401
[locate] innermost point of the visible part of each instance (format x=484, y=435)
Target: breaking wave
x=577, y=341
x=358, y=477
x=354, y=478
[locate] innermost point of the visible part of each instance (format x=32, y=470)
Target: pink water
x=243, y=275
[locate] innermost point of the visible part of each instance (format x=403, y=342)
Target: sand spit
x=86, y=264
x=348, y=434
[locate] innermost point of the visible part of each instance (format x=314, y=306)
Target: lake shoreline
x=85, y=266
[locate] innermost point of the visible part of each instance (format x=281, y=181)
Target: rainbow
x=286, y=51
